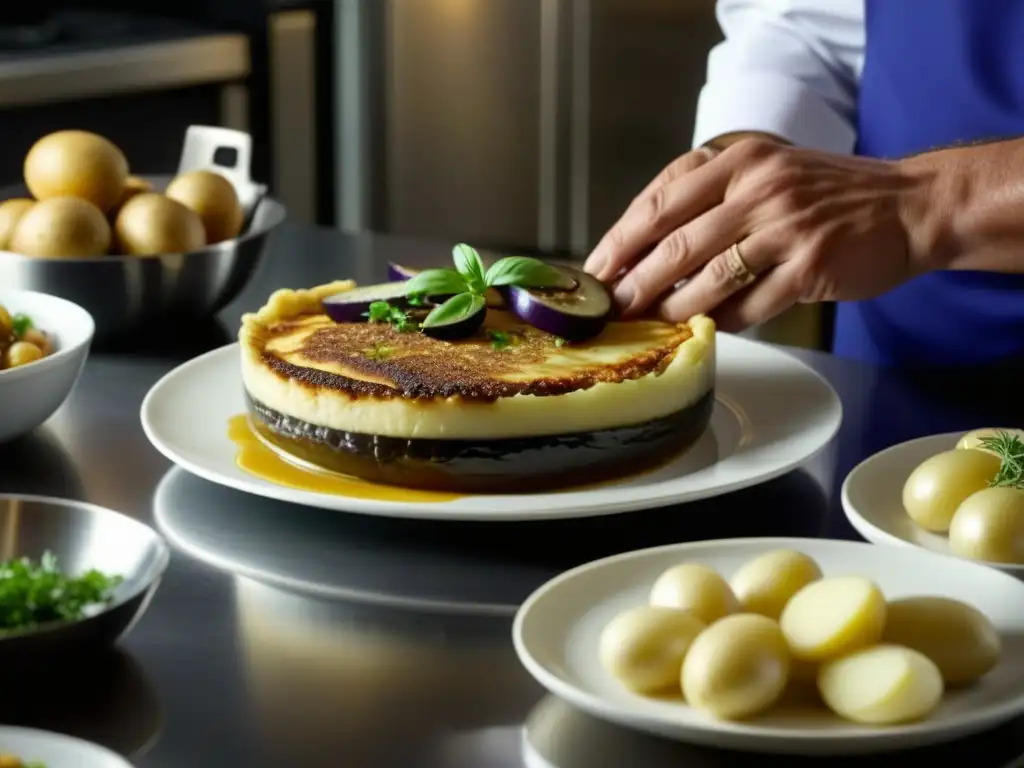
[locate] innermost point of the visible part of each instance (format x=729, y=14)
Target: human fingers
x=679, y=255
x=768, y=297
x=682, y=191
x=738, y=267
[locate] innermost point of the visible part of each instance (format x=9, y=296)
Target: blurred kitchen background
x=522, y=125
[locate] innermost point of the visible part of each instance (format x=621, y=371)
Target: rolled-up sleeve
x=788, y=68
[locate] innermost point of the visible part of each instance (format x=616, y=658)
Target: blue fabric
x=938, y=72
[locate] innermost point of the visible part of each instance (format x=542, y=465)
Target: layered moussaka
x=510, y=409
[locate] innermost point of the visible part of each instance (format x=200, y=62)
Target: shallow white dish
x=557, y=629
x=31, y=394
x=55, y=750
x=772, y=414
x=872, y=497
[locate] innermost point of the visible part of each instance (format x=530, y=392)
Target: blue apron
x=938, y=72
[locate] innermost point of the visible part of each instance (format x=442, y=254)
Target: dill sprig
x=1010, y=450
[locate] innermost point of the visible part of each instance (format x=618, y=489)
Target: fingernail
x=624, y=295
x=594, y=264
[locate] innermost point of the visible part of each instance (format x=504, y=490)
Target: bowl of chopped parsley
x=74, y=577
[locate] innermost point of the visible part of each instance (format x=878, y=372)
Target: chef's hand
x=760, y=227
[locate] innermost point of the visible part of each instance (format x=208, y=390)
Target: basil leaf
x=455, y=309
x=436, y=282
x=526, y=272
x=467, y=261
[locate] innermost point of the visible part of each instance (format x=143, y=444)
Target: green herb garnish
x=379, y=351
x=21, y=324
x=383, y=312
x=499, y=339
x=470, y=279
x=33, y=594
x=1010, y=450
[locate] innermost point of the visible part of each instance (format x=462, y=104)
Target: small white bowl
x=55, y=750
x=30, y=394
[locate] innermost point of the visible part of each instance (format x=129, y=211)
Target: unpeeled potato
x=213, y=198
x=76, y=164
x=882, y=685
x=61, y=227
x=695, y=588
x=133, y=186
x=644, y=647
x=151, y=224
x=958, y=637
x=833, y=617
x=10, y=212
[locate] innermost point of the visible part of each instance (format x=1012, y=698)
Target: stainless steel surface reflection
x=81, y=536
x=556, y=735
x=109, y=701
x=327, y=679
x=123, y=293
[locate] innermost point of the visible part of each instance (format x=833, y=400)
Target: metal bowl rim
x=162, y=561
x=223, y=246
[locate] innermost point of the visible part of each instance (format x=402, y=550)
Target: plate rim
x=451, y=510
x=747, y=737
x=42, y=733
x=876, y=535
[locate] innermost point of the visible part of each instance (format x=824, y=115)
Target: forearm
x=971, y=216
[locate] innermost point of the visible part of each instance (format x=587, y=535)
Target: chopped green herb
x=32, y=594
x=499, y=339
x=559, y=341
x=383, y=312
x=379, y=351
x=417, y=300
x=20, y=324
x=1010, y=450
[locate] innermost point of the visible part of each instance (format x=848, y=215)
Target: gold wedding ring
x=738, y=268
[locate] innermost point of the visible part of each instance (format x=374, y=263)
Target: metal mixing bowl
x=126, y=292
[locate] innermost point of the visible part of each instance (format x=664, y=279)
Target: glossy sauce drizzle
x=258, y=460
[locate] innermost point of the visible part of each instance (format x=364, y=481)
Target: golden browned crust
x=416, y=366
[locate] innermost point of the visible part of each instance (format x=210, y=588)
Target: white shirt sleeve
x=787, y=67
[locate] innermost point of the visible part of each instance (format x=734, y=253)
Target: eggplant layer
x=511, y=465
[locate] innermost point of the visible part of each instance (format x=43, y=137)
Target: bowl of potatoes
x=133, y=249
x=798, y=646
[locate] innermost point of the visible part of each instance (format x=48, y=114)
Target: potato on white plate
x=695, y=588
x=974, y=438
x=958, y=637
x=833, y=617
x=644, y=647
x=736, y=668
x=881, y=685
x=765, y=584
x=989, y=526
x=938, y=485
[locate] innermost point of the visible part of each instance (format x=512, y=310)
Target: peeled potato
x=644, y=647
x=832, y=617
x=989, y=525
x=736, y=668
x=765, y=584
x=958, y=637
x=695, y=588
x=151, y=224
x=883, y=685
x=973, y=438
x=61, y=227
x=935, y=489
x=76, y=164
x=11, y=212
x=214, y=198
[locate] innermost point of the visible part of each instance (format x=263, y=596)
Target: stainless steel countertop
x=416, y=669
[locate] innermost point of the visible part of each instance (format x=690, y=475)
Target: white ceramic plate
x=556, y=634
x=772, y=414
x=873, y=497
x=55, y=750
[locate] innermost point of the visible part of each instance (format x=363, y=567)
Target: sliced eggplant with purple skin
x=459, y=318
x=575, y=315
x=400, y=272
x=353, y=306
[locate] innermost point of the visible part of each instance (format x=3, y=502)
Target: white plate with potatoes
x=794, y=646
x=956, y=493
